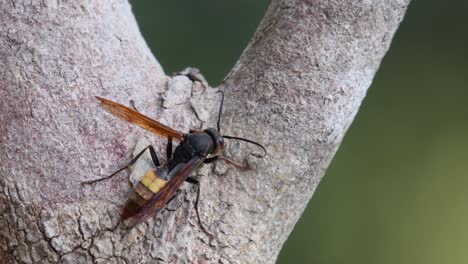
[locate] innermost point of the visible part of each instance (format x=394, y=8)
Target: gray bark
x=295, y=89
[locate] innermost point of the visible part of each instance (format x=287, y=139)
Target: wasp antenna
x=220, y=109
x=249, y=141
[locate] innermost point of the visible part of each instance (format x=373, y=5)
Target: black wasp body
x=198, y=143
x=159, y=185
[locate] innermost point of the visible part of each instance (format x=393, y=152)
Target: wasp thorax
x=201, y=143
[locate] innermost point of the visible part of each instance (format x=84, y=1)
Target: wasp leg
x=169, y=148
x=132, y=104
x=229, y=161
x=154, y=157
x=189, y=180
x=244, y=166
x=192, y=181
x=194, y=75
x=211, y=160
x=193, y=130
x=196, y=182
x=172, y=198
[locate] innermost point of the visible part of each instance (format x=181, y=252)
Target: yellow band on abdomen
x=152, y=181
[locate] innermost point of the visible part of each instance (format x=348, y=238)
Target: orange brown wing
x=138, y=119
x=162, y=197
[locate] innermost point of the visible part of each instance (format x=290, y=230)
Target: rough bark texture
x=296, y=89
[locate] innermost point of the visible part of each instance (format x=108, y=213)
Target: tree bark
x=295, y=89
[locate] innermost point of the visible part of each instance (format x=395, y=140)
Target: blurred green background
x=396, y=190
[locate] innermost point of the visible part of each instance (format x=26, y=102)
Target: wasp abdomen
x=146, y=188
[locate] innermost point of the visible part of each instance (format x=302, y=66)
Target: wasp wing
x=138, y=119
x=159, y=200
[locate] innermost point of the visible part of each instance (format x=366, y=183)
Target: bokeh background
x=397, y=190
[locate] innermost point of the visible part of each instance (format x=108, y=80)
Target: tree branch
x=295, y=89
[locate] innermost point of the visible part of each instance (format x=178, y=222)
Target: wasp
x=159, y=185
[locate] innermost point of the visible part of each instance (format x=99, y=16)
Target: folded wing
x=163, y=196
x=138, y=119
